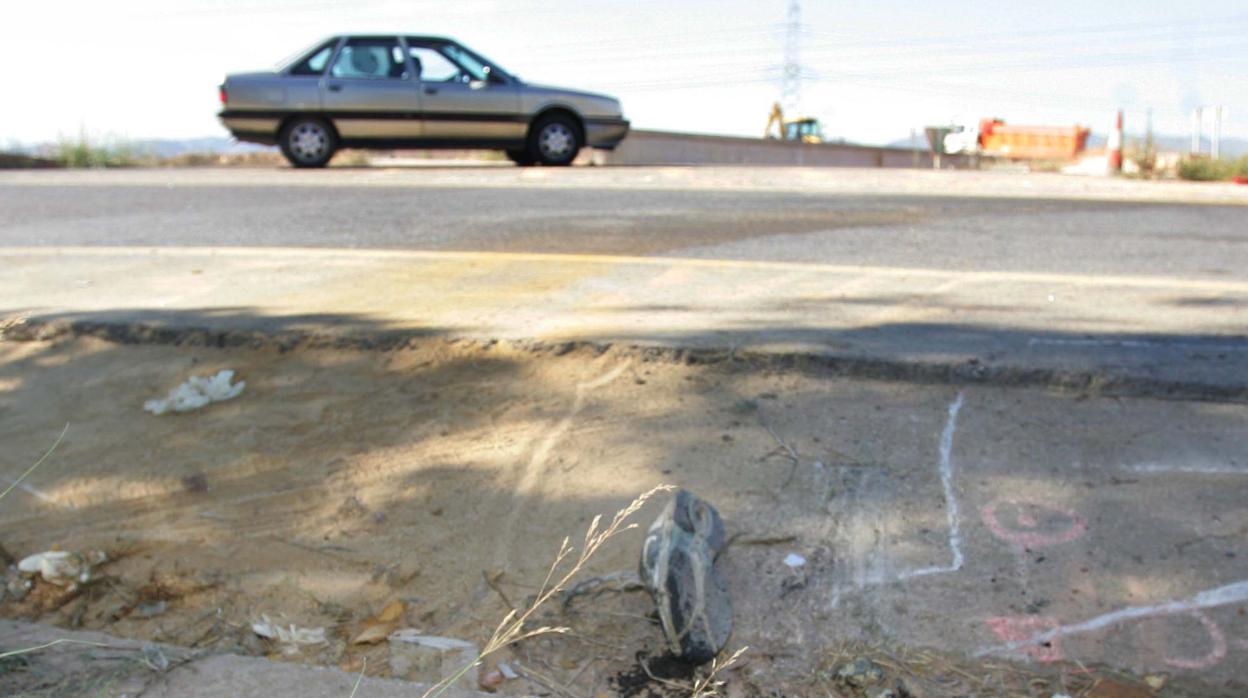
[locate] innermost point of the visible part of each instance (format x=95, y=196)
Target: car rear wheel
x=555, y=140
x=521, y=158
x=308, y=142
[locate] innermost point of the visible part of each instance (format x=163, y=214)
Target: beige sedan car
x=382, y=91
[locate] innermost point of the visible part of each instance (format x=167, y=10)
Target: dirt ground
x=444, y=474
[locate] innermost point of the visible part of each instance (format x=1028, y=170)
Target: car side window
x=432, y=66
x=377, y=59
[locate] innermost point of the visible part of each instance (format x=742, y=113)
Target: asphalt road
x=933, y=230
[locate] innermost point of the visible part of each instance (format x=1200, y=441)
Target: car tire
x=555, y=140
x=521, y=158
x=308, y=141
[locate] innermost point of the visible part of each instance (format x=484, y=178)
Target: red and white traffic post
x=1114, y=146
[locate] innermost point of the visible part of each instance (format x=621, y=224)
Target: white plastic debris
x=197, y=392
x=290, y=635
x=62, y=567
x=794, y=560
x=428, y=658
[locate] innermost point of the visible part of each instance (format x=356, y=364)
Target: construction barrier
x=671, y=148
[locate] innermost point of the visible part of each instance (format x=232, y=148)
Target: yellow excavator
x=805, y=130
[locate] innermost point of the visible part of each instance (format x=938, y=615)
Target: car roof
x=417, y=37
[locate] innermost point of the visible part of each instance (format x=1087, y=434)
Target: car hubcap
x=308, y=141
x=556, y=141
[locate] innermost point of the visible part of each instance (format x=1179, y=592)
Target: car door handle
x=335, y=88
x=431, y=90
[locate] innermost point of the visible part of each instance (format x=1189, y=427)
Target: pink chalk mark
x=1064, y=525
x=1020, y=629
x=1216, y=653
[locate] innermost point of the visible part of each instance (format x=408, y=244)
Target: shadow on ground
x=444, y=472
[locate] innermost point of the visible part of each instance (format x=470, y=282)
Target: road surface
x=934, y=224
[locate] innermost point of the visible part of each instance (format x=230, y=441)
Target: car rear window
x=315, y=62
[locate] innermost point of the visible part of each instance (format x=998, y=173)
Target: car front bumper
x=605, y=133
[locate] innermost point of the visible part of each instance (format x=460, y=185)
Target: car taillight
x=221, y=89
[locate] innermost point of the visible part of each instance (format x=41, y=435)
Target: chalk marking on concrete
x=1134, y=344
x=537, y=462
x=288, y=254
x=1217, y=650
x=1026, y=535
x=951, y=499
x=1211, y=598
x=1017, y=628
x=29, y=490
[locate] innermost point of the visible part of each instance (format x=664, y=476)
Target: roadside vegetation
x=86, y=152
x=1206, y=169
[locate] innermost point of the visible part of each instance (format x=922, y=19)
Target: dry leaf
x=379, y=627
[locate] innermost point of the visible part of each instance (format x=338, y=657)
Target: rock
x=678, y=569
x=150, y=609
x=1109, y=688
x=16, y=587
x=491, y=681
x=860, y=673
x=429, y=659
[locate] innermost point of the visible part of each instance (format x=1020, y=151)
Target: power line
x=791, y=80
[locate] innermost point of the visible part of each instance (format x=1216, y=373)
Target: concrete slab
x=92, y=663
x=1112, y=334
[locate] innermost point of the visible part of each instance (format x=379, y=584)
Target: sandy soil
x=444, y=475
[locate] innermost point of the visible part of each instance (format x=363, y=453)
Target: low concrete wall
x=669, y=148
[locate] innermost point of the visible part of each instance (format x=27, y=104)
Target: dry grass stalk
x=512, y=628
x=708, y=685
x=13, y=485
x=360, y=678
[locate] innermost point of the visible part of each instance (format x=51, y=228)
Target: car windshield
x=476, y=66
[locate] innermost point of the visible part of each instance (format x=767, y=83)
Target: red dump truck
x=1031, y=142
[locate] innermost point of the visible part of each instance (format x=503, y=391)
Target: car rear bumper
x=251, y=128
x=605, y=133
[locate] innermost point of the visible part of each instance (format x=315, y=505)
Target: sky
x=872, y=70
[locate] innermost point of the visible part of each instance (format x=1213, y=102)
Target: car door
x=461, y=101
x=370, y=93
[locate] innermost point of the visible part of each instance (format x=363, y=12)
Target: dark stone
x=678, y=569
x=860, y=673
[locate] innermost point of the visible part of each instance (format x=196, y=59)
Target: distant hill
x=169, y=147
x=159, y=147
x=1231, y=147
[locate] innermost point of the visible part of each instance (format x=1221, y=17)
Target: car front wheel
x=521, y=157
x=308, y=142
x=555, y=140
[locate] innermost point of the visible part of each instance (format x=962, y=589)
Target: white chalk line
x=1220, y=596
x=951, y=499
x=29, y=490
x=1135, y=344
